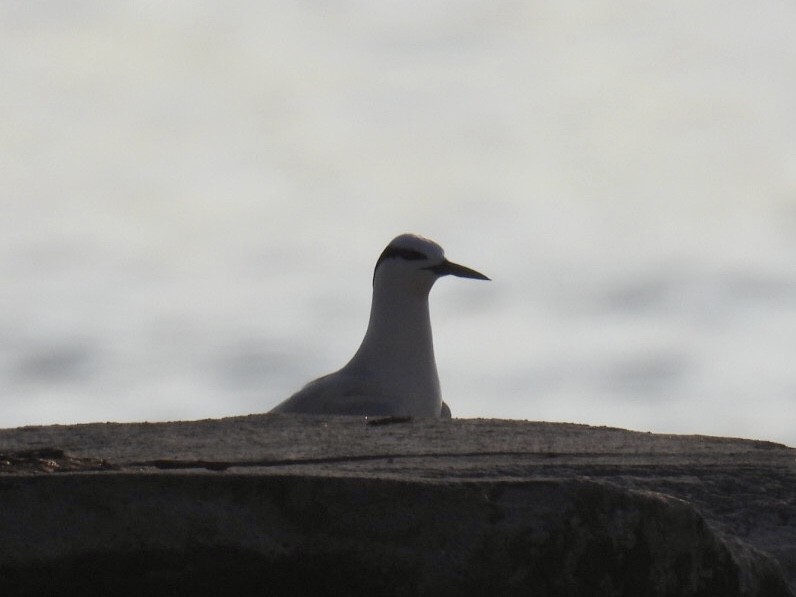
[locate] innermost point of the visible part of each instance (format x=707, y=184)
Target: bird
x=393, y=373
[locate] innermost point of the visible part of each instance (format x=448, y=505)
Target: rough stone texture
x=279, y=504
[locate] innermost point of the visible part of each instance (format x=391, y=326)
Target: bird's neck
x=398, y=338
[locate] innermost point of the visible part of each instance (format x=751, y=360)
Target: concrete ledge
x=277, y=504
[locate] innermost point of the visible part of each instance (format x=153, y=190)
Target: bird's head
x=414, y=263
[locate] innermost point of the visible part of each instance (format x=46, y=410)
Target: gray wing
x=338, y=394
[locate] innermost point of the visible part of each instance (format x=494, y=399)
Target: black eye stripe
x=393, y=252
x=406, y=254
x=397, y=252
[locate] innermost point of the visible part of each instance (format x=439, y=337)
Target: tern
x=394, y=372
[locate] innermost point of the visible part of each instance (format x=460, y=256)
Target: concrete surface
x=285, y=504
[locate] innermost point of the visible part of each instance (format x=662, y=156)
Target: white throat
x=397, y=353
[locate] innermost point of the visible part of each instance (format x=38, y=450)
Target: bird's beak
x=448, y=268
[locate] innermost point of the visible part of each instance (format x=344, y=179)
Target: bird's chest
x=413, y=384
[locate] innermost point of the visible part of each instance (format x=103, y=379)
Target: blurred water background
x=194, y=195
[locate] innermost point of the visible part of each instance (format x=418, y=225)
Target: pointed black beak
x=448, y=268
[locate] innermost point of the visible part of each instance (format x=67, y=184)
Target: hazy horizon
x=195, y=196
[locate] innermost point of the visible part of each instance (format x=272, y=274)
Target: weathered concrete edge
x=52, y=522
x=552, y=444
